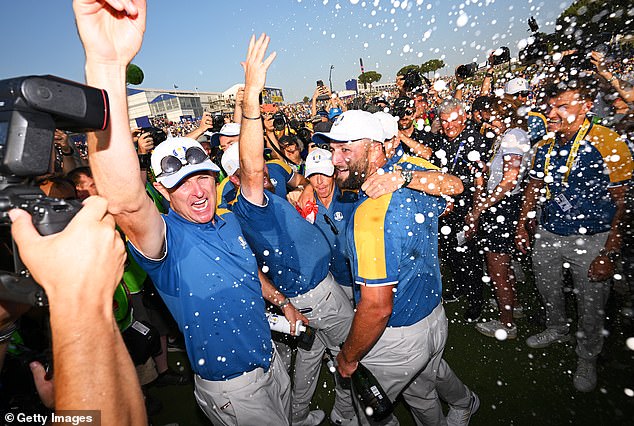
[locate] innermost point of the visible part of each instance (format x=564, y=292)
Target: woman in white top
x=496, y=209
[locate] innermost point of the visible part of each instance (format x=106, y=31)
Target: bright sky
x=200, y=43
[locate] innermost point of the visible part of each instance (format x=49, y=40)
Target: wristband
x=284, y=303
x=69, y=153
x=252, y=118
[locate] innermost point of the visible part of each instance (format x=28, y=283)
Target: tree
x=369, y=77
x=134, y=75
x=408, y=68
x=431, y=66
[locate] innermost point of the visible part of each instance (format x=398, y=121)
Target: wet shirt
x=208, y=278
x=393, y=240
x=583, y=203
x=460, y=157
x=333, y=223
x=514, y=141
x=290, y=251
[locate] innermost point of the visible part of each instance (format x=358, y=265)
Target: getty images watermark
x=75, y=418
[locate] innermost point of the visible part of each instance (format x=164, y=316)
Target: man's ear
x=162, y=190
x=234, y=179
x=376, y=153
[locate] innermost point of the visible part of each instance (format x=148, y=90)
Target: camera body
x=467, y=70
x=503, y=57
x=157, y=135
x=32, y=107
x=279, y=121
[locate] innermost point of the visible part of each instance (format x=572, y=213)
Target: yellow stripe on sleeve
x=369, y=238
x=616, y=155
x=418, y=161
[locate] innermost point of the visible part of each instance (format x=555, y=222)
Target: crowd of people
x=339, y=214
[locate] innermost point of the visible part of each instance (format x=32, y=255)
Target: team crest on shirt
x=242, y=242
x=274, y=182
x=338, y=216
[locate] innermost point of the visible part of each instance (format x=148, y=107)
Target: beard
x=356, y=175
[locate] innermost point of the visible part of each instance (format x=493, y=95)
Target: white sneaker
x=495, y=328
x=547, y=338
x=336, y=419
x=314, y=418
x=461, y=416
x=585, y=379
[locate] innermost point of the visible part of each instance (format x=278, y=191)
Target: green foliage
x=369, y=77
x=134, y=75
x=407, y=68
x=432, y=65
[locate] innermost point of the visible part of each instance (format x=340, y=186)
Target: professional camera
x=466, y=70
x=279, y=121
x=157, y=135
x=412, y=80
x=503, y=57
x=218, y=122
x=31, y=108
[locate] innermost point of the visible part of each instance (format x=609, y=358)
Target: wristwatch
x=407, y=176
x=610, y=254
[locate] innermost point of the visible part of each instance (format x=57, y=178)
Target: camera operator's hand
x=145, y=143
x=240, y=96
x=110, y=30
x=90, y=239
x=598, y=60
x=60, y=138
x=206, y=121
x=45, y=387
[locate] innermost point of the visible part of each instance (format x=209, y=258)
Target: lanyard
x=583, y=131
x=455, y=159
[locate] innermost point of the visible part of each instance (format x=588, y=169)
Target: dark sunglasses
x=524, y=94
x=330, y=223
x=408, y=112
x=171, y=164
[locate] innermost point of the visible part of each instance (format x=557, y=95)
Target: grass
x=516, y=385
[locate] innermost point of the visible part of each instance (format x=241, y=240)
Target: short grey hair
x=449, y=105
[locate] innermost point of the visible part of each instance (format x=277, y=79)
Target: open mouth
x=200, y=205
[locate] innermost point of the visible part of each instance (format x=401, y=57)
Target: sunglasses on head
x=171, y=164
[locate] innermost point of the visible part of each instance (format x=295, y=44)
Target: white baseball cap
x=231, y=159
x=319, y=161
x=516, y=85
x=351, y=126
x=229, y=129
x=389, y=124
x=169, y=153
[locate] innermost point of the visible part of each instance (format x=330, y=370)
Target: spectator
x=584, y=170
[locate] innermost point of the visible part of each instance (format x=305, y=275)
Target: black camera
x=413, y=81
x=31, y=108
x=157, y=135
x=503, y=57
x=466, y=70
x=218, y=122
x=279, y=121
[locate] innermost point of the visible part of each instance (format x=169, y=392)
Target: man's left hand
x=381, y=184
x=601, y=268
x=344, y=367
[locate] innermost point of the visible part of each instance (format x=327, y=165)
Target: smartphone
x=320, y=83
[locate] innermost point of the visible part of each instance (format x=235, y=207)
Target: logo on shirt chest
x=274, y=182
x=338, y=216
x=242, y=242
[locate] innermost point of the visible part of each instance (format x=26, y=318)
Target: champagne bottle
x=376, y=403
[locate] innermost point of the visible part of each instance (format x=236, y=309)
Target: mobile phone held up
x=324, y=96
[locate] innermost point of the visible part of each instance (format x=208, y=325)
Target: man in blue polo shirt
x=289, y=249
x=583, y=170
x=399, y=327
x=200, y=263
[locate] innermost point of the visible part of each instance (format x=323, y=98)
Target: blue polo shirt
x=288, y=248
x=208, y=279
x=336, y=218
x=393, y=240
x=603, y=160
x=280, y=174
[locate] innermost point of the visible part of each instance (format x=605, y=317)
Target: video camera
x=31, y=108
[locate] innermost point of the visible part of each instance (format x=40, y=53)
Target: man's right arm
x=527, y=213
x=110, y=43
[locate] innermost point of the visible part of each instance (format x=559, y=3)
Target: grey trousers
x=551, y=255
x=332, y=316
x=408, y=360
x=256, y=398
